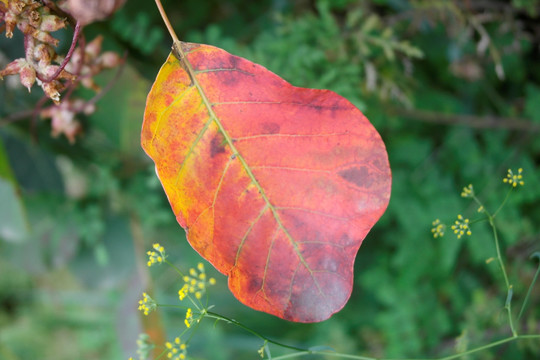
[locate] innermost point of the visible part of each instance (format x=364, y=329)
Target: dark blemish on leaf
x=228, y=78
x=254, y=285
x=345, y=240
x=233, y=156
x=233, y=61
x=358, y=176
x=270, y=128
x=217, y=145
x=317, y=108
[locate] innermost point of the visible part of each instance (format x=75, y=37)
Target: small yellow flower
x=189, y=318
x=261, y=350
x=438, y=228
x=176, y=350
x=182, y=293
x=156, y=257
x=144, y=346
x=468, y=191
x=481, y=209
x=147, y=304
x=195, y=283
x=461, y=227
x=514, y=179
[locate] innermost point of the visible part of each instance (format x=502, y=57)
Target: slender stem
x=216, y=316
x=498, y=250
x=182, y=276
x=174, y=267
x=167, y=22
x=450, y=357
x=503, y=270
x=76, y=34
x=161, y=354
x=504, y=201
x=536, y=254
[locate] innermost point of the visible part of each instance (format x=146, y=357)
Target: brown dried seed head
x=43, y=53
x=16, y=6
x=11, y=21
x=93, y=48
x=13, y=67
x=51, y=90
x=52, y=23
x=34, y=18
x=28, y=76
x=45, y=37
x=109, y=59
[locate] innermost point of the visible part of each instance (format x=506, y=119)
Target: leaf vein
x=241, y=138
x=250, y=174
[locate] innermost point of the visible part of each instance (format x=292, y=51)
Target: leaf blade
x=288, y=246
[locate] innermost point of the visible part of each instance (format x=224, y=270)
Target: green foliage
x=74, y=275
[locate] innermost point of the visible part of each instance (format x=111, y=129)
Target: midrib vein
x=228, y=139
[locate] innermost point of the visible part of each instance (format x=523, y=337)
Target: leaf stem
x=167, y=22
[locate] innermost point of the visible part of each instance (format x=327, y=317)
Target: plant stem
x=216, y=316
x=509, y=291
x=450, y=357
x=504, y=202
x=76, y=34
x=174, y=267
x=503, y=270
x=167, y=22
x=537, y=255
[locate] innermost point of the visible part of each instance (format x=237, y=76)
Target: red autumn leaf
x=275, y=185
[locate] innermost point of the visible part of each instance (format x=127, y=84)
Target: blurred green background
x=453, y=87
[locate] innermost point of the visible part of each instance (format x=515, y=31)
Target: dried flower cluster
x=53, y=72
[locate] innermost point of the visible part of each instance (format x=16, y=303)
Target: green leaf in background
x=13, y=223
x=532, y=102
x=118, y=117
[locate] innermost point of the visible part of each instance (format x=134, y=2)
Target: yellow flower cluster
x=147, y=304
x=438, y=228
x=468, y=191
x=195, y=283
x=514, y=179
x=189, y=318
x=157, y=256
x=176, y=350
x=261, y=350
x=461, y=227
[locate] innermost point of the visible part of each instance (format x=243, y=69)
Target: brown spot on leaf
x=358, y=176
x=270, y=128
x=217, y=145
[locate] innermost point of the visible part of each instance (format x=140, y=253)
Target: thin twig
x=76, y=34
x=167, y=22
